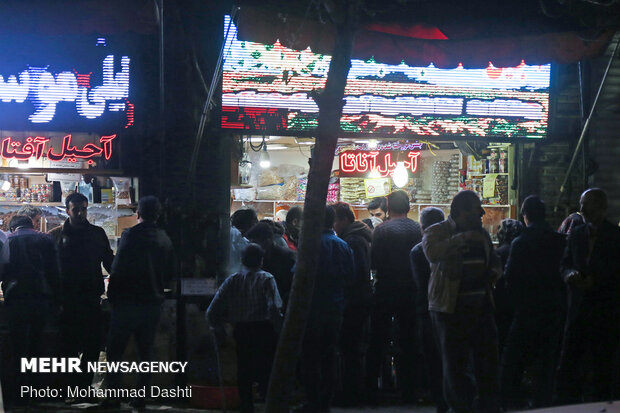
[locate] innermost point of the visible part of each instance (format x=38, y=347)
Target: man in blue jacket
x=335, y=270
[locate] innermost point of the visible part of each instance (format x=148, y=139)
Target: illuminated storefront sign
x=267, y=88
x=65, y=84
x=36, y=147
x=45, y=90
x=361, y=163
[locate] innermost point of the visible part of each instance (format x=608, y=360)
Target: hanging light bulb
x=372, y=144
x=265, y=162
x=6, y=185
x=400, y=175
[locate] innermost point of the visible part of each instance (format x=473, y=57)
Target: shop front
x=67, y=107
x=431, y=174
x=430, y=131
x=68, y=110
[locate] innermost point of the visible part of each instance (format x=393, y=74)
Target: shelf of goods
x=34, y=194
x=112, y=218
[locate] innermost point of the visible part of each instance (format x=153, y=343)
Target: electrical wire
x=257, y=148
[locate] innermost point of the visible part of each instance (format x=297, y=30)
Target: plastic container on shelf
x=67, y=187
x=122, y=186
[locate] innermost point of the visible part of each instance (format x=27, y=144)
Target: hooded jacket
x=359, y=236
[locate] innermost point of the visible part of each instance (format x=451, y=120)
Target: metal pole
x=585, y=127
x=207, y=104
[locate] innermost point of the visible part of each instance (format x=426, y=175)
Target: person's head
x=261, y=234
x=149, y=208
x=244, y=219
x=398, y=203
x=466, y=210
x=344, y=216
x=20, y=221
x=533, y=210
x=508, y=230
x=277, y=228
x=293, y=220
x=430, y=216
x=593, y=205
x=77, y=208
x=378, y=208
x=252, y=256
x=330, y=216
x=31, y=211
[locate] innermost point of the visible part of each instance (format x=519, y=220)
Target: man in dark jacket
x=83, y=248
x=144, y=263
x=421, y=271
x=335, y=271
x=394, y=295
x=358, y=298
x=591, y=268
x=536, y=289
x=30, y=284
x=278, y=261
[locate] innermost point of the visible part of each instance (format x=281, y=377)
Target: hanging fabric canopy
x=420, y=44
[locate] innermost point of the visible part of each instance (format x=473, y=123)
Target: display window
x=273, y=172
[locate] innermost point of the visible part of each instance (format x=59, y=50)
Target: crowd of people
x=59, y=274
x=532, y=322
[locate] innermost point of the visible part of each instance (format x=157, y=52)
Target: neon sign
x=45, y=90
x=361, y=163
x=36, y=147
x=62, y=83
x=268, y=88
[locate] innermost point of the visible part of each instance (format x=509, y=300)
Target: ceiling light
x=278, y=147
x=372, y=144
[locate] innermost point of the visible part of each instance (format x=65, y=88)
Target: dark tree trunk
x=330, y=102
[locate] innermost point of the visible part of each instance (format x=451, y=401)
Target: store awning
x=420, y=45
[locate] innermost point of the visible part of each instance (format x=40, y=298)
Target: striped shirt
x=246, y=296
